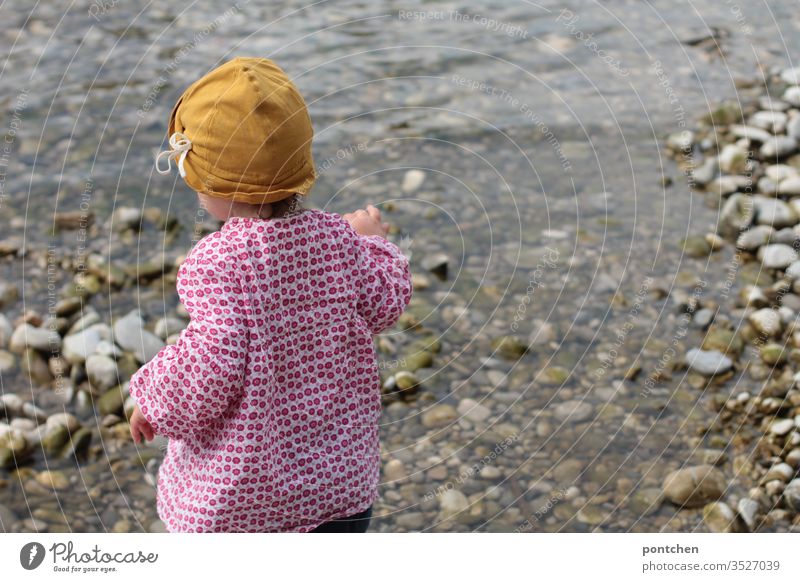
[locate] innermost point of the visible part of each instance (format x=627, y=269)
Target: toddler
x=270, y=398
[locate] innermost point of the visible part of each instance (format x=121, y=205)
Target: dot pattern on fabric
x=270, y=398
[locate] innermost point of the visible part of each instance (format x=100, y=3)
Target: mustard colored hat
x=242, y=132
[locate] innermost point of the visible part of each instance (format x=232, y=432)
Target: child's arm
x=190, y=384
x=381, y=272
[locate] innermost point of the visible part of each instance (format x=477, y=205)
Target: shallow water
x=537, y=141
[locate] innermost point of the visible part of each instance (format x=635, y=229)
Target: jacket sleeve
x=383, y=279
x=190, y=384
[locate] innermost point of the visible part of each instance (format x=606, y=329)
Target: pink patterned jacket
x=270, y=399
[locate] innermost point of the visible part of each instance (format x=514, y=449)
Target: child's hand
x=367, y=222
x=140, y=427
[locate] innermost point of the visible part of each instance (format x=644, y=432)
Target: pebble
x=782, y=427
x=573, y=411
x=439, y=415
x=749, y=510
x=777, y=256
x=28, y=336
x=452, y=502
x=733, y=159
x=394, y=470
x=778, y=147
x=791, y=495
x=79, y=346
x=473, y=410
x=773, y=212
x=102, y=372
x=708, y=362
x=130, y=335
x=719, y=517
x=694, y=486
x=6, y=330
x=755, y=237
x=412, y=181
x=766, y=321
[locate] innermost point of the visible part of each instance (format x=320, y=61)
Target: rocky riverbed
x=579, y=355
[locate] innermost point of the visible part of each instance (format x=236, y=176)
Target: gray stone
x=792, y=96
x=705, y=172
x=791, y=77
x=412, y=181
x=473, y=410
x=766, y=321
x=573, y=411
x=126, y=217
x=719, y=517
x=79, y=346
x=6, y=330
x=129, y=333
x=793, y=128
x=102, y=372
x=772, y=121
x=708, y=362
x=777, y=147
x=773, y=212
x=736, y=215
x=452, y=502
x=694, y=486
x=754, y=238
x=791, y=495
x=749, y=510
x=750, y=132
x=167, y=326
x=777, y=256
x=27, y=336
x=733, y=159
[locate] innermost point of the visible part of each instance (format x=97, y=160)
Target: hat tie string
x=180, y=145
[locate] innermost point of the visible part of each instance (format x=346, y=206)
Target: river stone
x=791, y=76
x=54, y=438
x=767, y=322
x=781, y=472
x=64, y=419
x=694, y=486
x=771, y=121
x=792, y=96
x=723, y=186
x=406, y=381
x=781, y=427
x=473, y=410
x=749, y=510
x=708, y=362
x=6, y=330
x=789, y=187
x=573, y=411
x=437, y=264
x=736, y=215
x=778, y=147
x=719, y=517
x=793, y=128
x=127, y=217
x=111, y=402
x=733, y=159
x=53, y=479
x=77, y=444
x=129, y=333
x=89, y=318
x=11, y=404
x=394, y=470
x=412, y=181
x=439, y=415
x=705, y=172
x=8, y=362
x=8, y=291
x=509, y=347
x=79, y=346
x=773, y=354
x=749, y=132
x=681, y=141
x=452, y=502
x=791, y=495
x=167, y=326
x=755, y=237
x=777, y=256
x=102, y=372
x=27, y=336
x=773, y=212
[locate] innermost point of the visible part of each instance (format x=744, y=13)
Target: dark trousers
x=357, y=523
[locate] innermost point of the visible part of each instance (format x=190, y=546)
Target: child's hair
x=286, y=207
